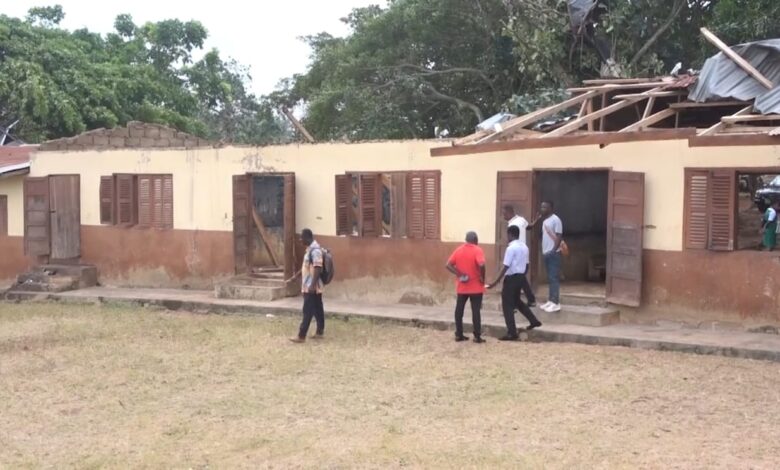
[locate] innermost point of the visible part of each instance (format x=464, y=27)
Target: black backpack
x=327, y=265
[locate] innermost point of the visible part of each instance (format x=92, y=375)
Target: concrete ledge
x=729, y=344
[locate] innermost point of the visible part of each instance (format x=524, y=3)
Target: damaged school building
x=645, y=174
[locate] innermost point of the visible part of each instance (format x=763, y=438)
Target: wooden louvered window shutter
x=343, y=205
x=432, y=205
x=370, y=206
x=722, y=210
x=144, y=201
x=697, y=222
x=424, y=205
x=166, y=221
x=124, y=212
x=107, y=200
x=415, y=206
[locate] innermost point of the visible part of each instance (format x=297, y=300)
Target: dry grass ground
x=93, y=387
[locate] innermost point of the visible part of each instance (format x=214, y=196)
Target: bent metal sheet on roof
x=721, y=78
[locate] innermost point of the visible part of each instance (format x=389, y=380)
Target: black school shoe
x=479, y=340
x=458, y=339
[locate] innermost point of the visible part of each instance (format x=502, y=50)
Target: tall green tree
x=59, y=83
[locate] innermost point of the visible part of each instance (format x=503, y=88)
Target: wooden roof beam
x=745, y=65
x=650, y=120
x=579, y=122
x=711, y=104
x=518, y=123
x=655, y=94
x=720, y=125
x=750, y=118
x=626, y=86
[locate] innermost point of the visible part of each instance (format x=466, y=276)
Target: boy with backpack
x=317, y=271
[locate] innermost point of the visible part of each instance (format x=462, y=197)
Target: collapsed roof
x=735, y=93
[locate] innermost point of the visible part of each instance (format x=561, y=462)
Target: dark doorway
x=580, y=200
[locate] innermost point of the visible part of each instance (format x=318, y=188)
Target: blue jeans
x=552, y=263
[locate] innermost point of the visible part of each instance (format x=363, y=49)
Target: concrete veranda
x=670, y=338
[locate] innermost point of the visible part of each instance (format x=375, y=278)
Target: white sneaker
x=553, y=308
x=545, y=305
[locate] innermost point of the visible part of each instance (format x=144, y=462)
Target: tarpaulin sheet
x=721, y=78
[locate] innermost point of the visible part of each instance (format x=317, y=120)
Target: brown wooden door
x=290, y=241
x=625, y=222
x=241, y=223
x=65, y=207
x=515, y=188
x=37, y=230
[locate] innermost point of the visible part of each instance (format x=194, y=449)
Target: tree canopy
x=418, y=65
x=59, y=83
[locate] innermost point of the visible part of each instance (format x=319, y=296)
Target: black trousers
x=476, y=316
x=526, y=287
x=312, y=307
x=510, y=300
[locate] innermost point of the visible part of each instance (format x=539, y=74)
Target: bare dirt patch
x=116, y=387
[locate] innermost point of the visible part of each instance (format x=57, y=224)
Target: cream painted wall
x=13, y=188
x=203, y=178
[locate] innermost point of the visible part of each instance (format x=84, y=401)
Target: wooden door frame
x=290, y=233
x=535, y=254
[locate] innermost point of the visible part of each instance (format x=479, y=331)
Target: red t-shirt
x=467, y=258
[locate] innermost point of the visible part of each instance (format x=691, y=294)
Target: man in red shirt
x=467, y=263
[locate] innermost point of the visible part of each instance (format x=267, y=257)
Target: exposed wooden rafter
x=745, y=65
x=650, y=120
x=720, y=125
x=515, y=125
x=601, y=113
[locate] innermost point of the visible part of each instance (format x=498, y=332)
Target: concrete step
x=584, y=299
x=275, y=281
x=231, y=290
x=571, y=314
x=86, y=274
x=42, y=282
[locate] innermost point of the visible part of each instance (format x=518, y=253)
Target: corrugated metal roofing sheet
x=721, y=78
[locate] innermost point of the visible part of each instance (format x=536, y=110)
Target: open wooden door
x=65, y=207
x=290, y=241
x=37, y=228
x=515, y=188
x=625, y=225
x=241, y=223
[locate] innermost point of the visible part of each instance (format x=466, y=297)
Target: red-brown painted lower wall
x=148, y=257
x=742, y=282
x=12, y=258
x=386, y=257
x=745, y=283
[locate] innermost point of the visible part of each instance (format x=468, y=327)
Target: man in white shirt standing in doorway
x=514, y=219
x=552, y=236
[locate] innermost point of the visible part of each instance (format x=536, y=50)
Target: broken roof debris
x=735, y=93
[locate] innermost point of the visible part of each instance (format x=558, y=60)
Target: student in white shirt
x=552, y=235
x=516, y=220
x=513, y=272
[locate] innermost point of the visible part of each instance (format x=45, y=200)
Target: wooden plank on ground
x=265, y=236
x=745, y=65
